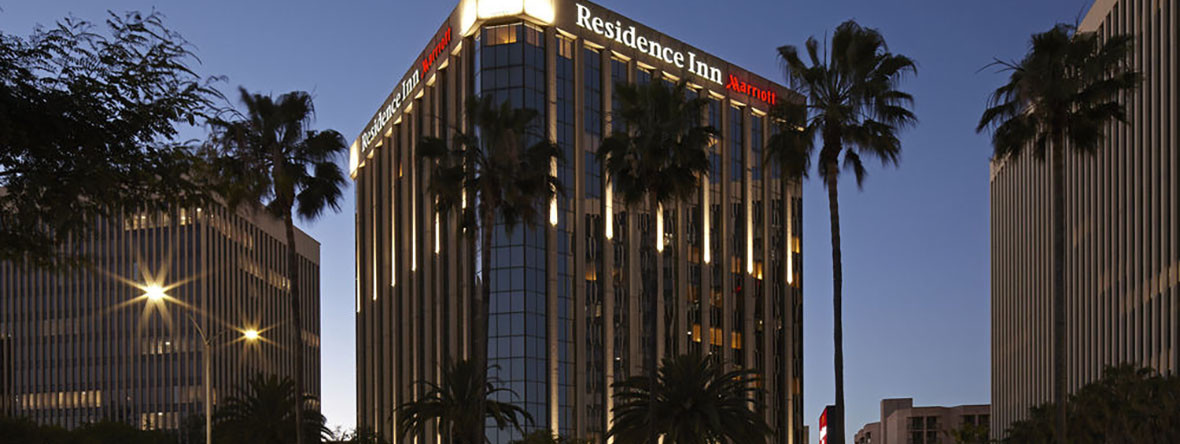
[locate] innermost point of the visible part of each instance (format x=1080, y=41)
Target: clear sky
x=915, y=240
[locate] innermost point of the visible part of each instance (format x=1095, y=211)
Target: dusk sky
x=915, y=239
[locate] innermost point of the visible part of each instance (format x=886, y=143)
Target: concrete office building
x=1122, y=234
x=902, y=423
x=568, y=296
x=115, y=341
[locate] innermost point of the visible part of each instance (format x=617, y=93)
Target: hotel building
x=1122, y=269
x=118, y=339
x=569, y=294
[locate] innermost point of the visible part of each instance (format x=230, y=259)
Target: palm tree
x=450, y=401
x=1059, y=97
x=506, y=169
x=692, y=401
x=270, y=156
x=263, y=412
x=852, y=103
x=658, y=156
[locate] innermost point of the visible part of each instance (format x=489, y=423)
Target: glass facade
x=512, y=69
x=574, y=296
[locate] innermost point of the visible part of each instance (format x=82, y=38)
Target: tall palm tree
x=270, y=155
x=263, y=412
x=505, y=169
x=1060, y=97
x=450, y=401
x=693, y=400
x=854, y=106
x=656, y=154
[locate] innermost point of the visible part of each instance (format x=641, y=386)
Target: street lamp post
x=157, y=294
x=207, y=364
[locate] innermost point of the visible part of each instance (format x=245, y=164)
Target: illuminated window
x=500, y=35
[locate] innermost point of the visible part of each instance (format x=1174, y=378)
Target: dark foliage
x=449, y=405
x=271, y=156
x=696, y=401
x=24, y=431
x=263, y=412
x=1128, y=405
x=661, y=155
x=87, y=127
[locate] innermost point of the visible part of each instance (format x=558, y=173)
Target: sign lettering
x=627, y=35
x=404, y=89
x=740, y=86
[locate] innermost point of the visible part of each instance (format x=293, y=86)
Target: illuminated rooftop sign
x=628, y=35
x=405, y=89
x=739, y=86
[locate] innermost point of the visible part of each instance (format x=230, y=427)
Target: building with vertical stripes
x=568, y=295
x=118, y=340
x=1122, y=269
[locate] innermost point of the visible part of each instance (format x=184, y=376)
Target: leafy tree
x=970, y=434
x=25, y=431
x=115, y=432
x=853, y=105
x=270, y=155
x=656, y=155
x=88, y=121
x=504, y=169
x=1060, y=97
x=1128, y=405
x=692, y=401
x=449, y=403
x=359, y=435
x=263, y=412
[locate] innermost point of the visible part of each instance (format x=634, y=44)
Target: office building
x=1122, y=238
x=902, y=423
x=117, y=340
x=568, y=296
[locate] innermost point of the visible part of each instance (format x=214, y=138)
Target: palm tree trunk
x=297, y=319
x=479, y=328
x=837, y=307
x=1059, y=286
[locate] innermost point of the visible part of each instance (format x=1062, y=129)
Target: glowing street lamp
x=154, y=292
x=250, y=335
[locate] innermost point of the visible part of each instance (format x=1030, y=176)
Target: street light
x=250, y=335
x=154, y=292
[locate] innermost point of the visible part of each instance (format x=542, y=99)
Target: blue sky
x=915, y=239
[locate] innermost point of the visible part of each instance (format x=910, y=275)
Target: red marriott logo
x=753, y=91
x=428, y=61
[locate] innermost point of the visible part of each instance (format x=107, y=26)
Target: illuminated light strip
x=413, y=231
x=749, y=227
x=553, y=200
x=374, y=207
x=393, y=232
x=354, y=157
x=790, y=241
x=708, y=253
x=610, y=209
x=660, y=227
